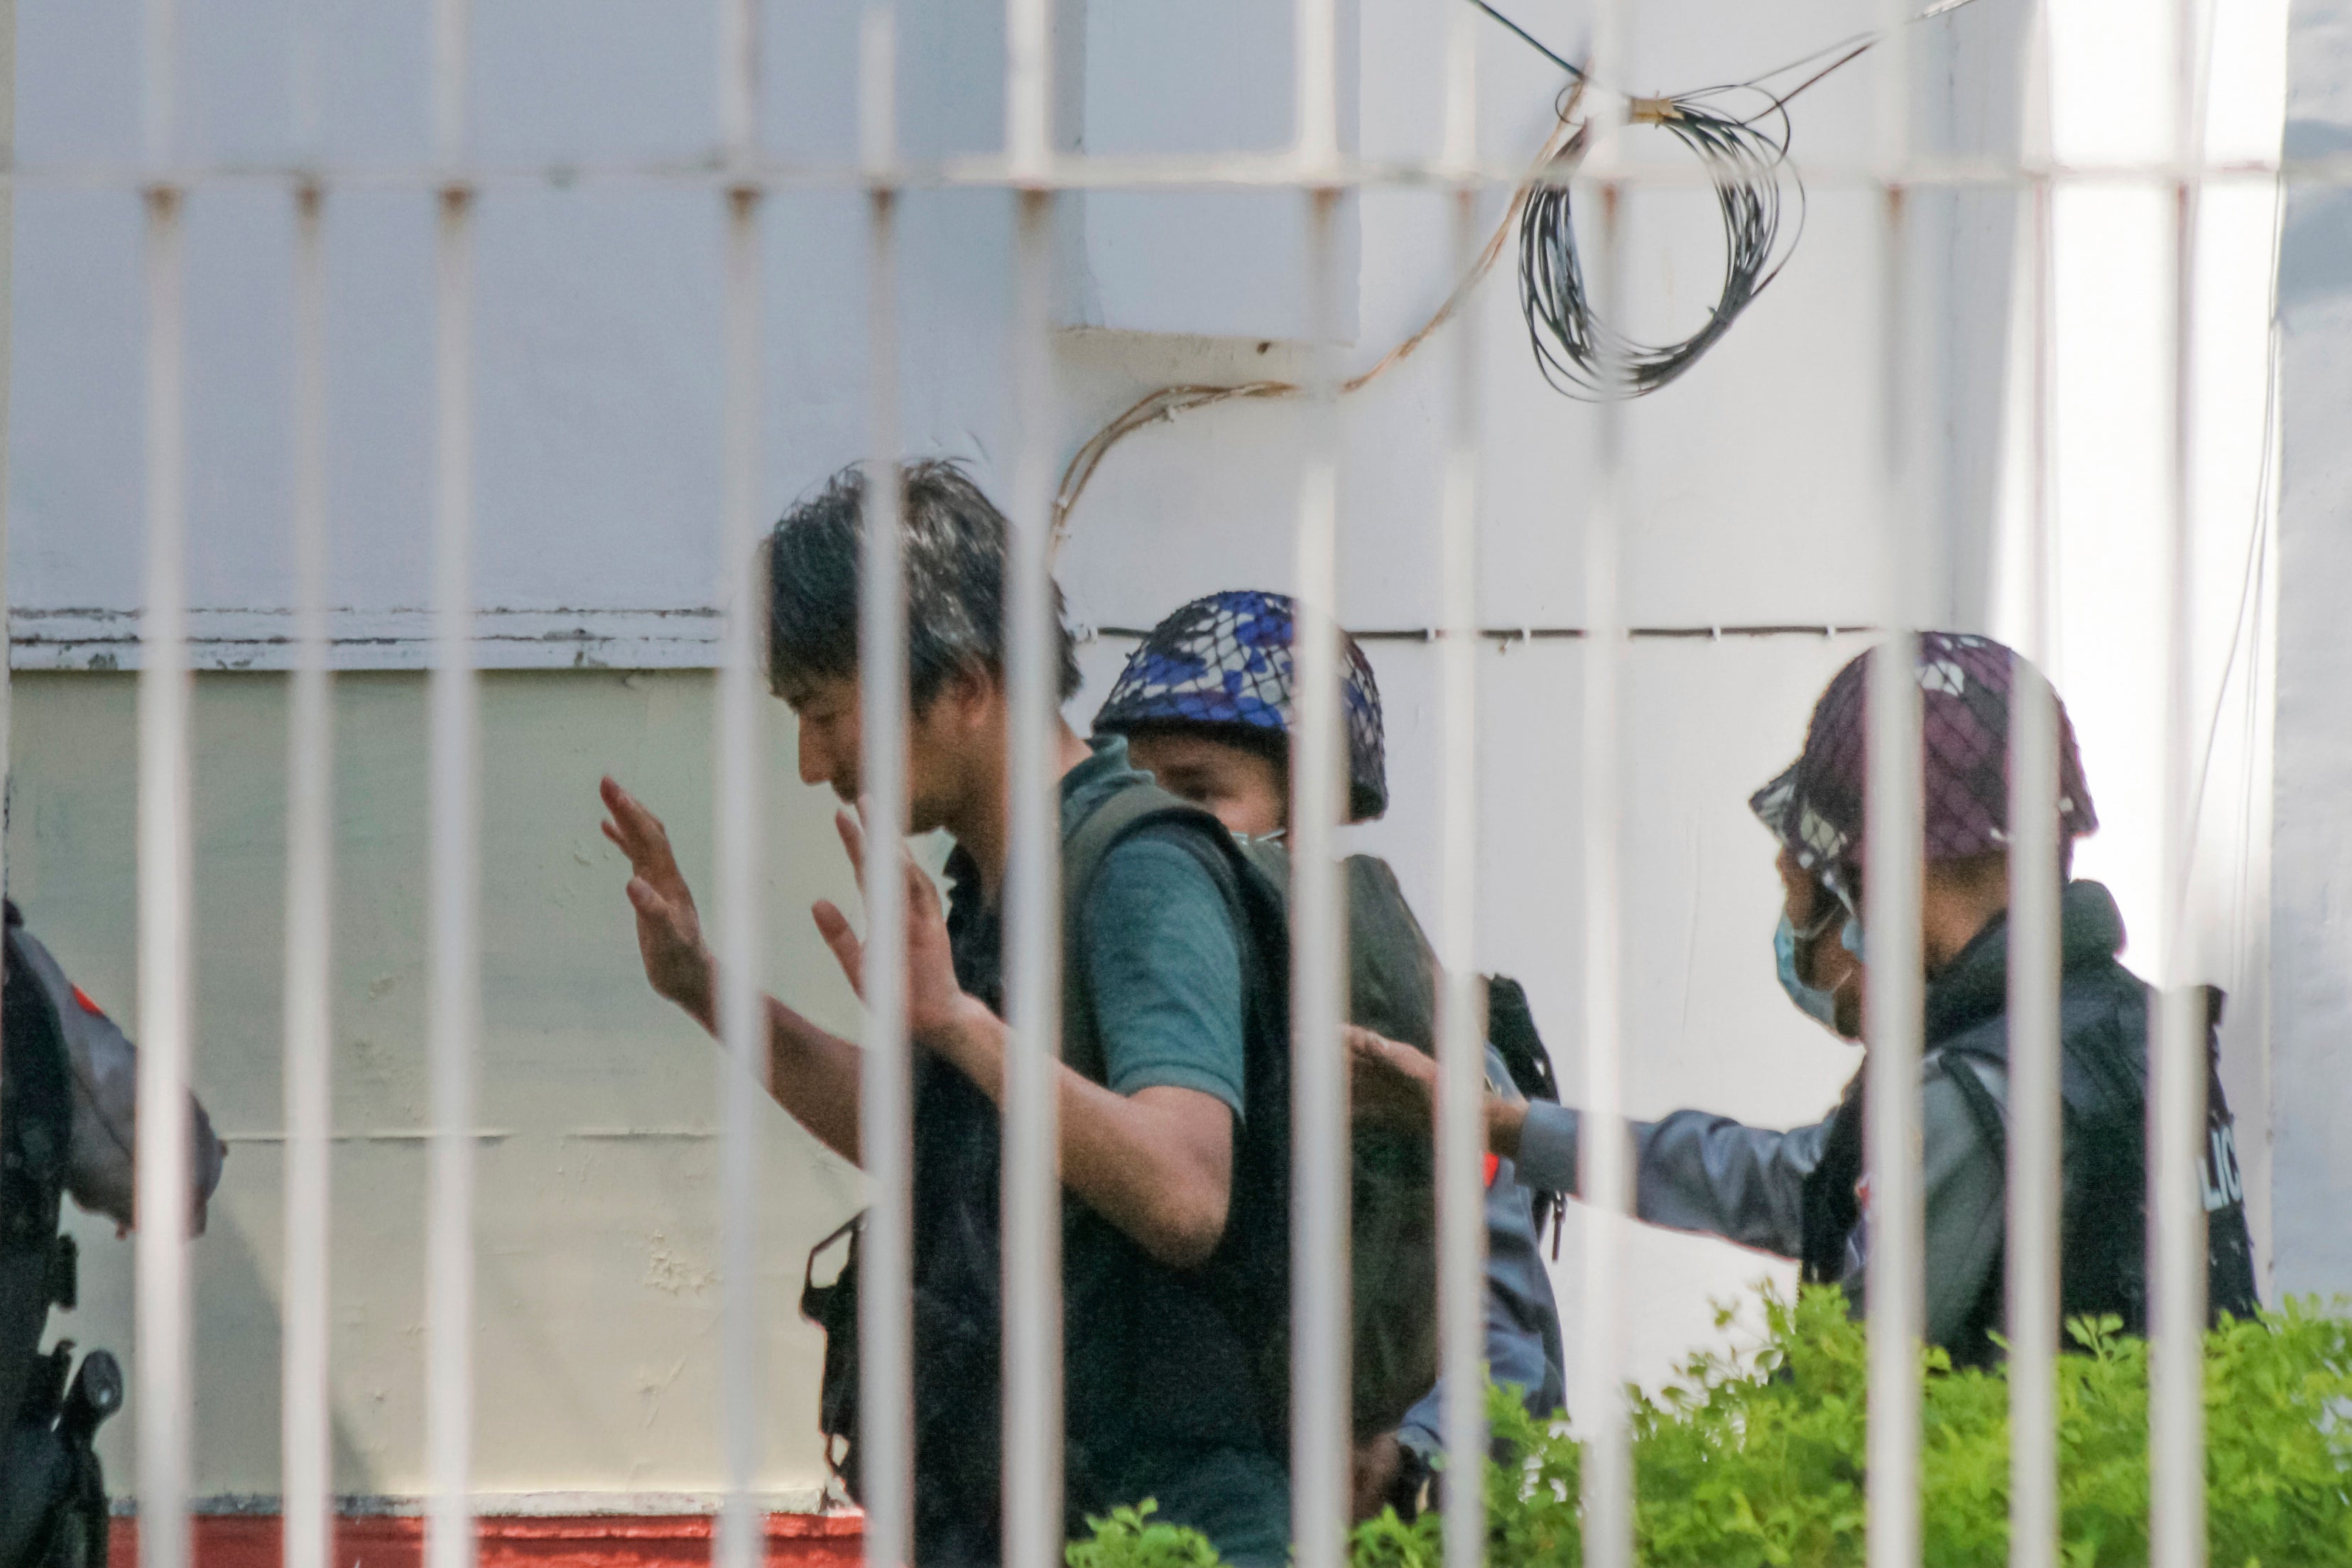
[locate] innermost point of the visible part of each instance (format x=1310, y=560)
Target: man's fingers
x=833, y=927
x=922, y=893
x=852, y=840
x=648, y=900
x=638, y=832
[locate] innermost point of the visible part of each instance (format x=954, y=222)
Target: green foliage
x=1129, y=1539
x=1757, y=1458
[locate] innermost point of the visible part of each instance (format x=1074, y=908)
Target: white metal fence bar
x=1604, y=1150
x=2177, y=1076
x=453, y=970
x=8, y=334
x=310, y=926
x=740, y=843
x=1320, y=1423
x=2032, y=1198
x=1893, y=1213
x=165, y=883
x=1032, y=1255
x=884, y=1283
x=1461, y=1125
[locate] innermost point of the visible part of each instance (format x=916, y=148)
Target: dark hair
x=1274, y=745
x=953, y=543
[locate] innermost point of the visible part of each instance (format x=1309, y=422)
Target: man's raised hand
x=935, y=1000
x=669, y=932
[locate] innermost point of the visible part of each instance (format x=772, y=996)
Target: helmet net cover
x=1225, y=661
x=1815, y=807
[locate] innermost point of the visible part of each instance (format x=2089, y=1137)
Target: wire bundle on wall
x=1747, y=158
x=1579, y=353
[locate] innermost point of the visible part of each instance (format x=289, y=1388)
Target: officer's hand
x=1393, y=1084
x=669, y=933
x=1379, y=1461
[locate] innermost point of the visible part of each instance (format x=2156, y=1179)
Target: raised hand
x=935, y=1000
x=669, y=933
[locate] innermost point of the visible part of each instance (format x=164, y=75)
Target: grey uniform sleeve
x=1523, y=1344
x=1693, y=1171
x=99, y=1160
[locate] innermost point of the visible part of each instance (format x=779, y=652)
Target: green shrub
x=1757, y=1458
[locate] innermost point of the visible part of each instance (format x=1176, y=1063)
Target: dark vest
x=35, y=1126
x=1156, y=1361
x=2103, y=1023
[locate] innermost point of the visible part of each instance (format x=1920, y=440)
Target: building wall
x=2311, y=950
x=1754, y=487
x=595, y=1360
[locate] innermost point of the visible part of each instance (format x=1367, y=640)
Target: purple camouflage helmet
x=1815, y=806
x=1224, y=661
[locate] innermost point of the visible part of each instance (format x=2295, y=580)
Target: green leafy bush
x=1757, y=1458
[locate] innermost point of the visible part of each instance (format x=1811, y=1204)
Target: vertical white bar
x=740, y=845
x=1316, y=96
x=1608, y=1478
x=1031, y=1198
x=885, y=1284
x=2034, y=1119
x=1605, y=1155
x=310, y=920
x=7, y=359
x=165, y=982
x=1893, y=1210
x=454, y=978
x=1321, y=1422
x=2033, y=963
x=1028, y=88
x=305, y=1434
x=2178, y=1069
x=1461, y=1047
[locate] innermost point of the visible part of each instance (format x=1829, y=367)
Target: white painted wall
x=2311, y=950
x=1753, y=483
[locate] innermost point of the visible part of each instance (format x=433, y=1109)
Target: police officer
x=68, y=1111
x=1206, y=702
x=1805, y=1194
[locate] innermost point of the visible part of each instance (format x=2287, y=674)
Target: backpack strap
x=1119, y=814
x=1986, y=1111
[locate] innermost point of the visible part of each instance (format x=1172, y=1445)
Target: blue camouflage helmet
x=1225, y=661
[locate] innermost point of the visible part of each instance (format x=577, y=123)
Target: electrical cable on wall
x=1747, y=158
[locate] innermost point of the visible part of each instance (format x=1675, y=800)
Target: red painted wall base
x=596, y=1540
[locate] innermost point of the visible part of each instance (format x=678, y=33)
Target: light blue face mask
x=1814, y=1002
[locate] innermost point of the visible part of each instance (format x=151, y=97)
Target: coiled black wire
x=1747, y=160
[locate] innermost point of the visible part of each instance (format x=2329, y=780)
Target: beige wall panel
x=598, y=1299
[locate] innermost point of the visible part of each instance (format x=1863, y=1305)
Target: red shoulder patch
x=1493, y=1165
x=95, y=1011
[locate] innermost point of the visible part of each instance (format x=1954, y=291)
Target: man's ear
x=975, y=689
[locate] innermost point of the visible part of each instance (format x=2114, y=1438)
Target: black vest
x=1156, y=1361
x=2103, y=1023
x=35, y=1126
